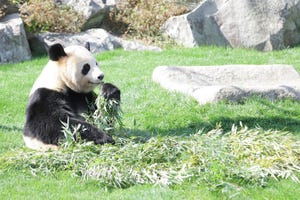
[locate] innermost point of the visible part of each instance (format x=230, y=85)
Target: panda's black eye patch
x=85, y=69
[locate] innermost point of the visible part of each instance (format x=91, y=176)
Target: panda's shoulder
x=45, y=95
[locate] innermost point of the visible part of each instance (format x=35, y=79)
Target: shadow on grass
x=270, y=123
x=274, y=123
x=10, y=128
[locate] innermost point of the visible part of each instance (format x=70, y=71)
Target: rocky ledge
x=210, y=84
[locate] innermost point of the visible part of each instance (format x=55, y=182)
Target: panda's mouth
x=95, y=83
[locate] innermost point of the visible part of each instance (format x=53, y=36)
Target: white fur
x=35, y=144
x=56, y=75
x=49, y=78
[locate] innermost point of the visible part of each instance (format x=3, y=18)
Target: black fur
x=46, y=110
x=88, y=46
x=86, y=68
x=56, y=52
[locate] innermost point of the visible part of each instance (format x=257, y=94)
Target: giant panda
x=61, y=93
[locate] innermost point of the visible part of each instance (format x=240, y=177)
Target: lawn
x=149, y=111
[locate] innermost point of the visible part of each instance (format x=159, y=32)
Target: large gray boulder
x=99, y=39
x=92, y=10
x=14, y=46
x=210, y=84
x=262, y=25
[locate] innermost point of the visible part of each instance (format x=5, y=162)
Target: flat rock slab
x=230, y=82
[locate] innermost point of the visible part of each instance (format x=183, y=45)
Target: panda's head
x=77, y=67
x=72, y=67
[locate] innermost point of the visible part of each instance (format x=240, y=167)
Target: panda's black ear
x=56, y=52
x=87, y=46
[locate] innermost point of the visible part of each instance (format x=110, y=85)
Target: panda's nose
x=101, y=77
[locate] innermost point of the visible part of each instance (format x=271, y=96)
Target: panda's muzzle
x=101, y=77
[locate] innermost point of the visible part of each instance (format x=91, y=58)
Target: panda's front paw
x=104, y=138
x=110, y=91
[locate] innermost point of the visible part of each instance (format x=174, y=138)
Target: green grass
x=149, y=111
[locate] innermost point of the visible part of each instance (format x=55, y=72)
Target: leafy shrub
x=3, y=9
x=44, y=15
x=10, y=6
x=141, y=18
x=18, y=2
x=7, y=7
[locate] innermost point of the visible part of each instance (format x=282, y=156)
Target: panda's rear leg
x=105, y=138
x=96, y=135
x=36, y=144
x=91, y=133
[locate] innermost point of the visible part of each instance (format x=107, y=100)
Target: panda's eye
x=85, y=69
